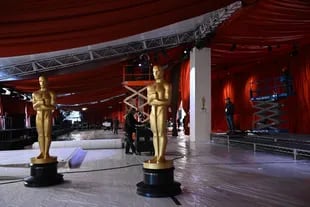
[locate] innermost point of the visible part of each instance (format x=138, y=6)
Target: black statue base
x=158, y=183
x=43, y=175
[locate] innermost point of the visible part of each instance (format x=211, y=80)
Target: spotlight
x=187, y=51
x=23, y=97
x=15, y=94
x=186, y=54
x=6, y=91
x=2, y=91
x=294, y=51
x=269, y=48
x=233, y=47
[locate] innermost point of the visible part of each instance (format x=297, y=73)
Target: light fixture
x=84, y=108
x=203, y=103
x=233, y=47
x=294, y=51
x=7, y=91
x=269, y=48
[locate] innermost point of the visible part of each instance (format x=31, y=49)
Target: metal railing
x=273, y=145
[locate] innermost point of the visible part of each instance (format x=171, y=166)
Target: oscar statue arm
x=53, y=101
x=51, y=104
x=168, y=92
x=37, y=104
x=45, y=104
x=166, y=100
x=151, y=95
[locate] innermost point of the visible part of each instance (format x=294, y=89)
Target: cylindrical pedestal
x=43, y=175
x=158, y=183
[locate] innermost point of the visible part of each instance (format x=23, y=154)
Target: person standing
x=115, y=126
x=44, y=102
x=229, y=113
x=159, y=97
x=287, y=81
x=130, y=128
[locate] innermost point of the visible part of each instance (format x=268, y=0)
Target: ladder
x=266, y=96
x=267, y=116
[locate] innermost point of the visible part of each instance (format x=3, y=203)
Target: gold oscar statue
x=159, y=97
x=44, y=102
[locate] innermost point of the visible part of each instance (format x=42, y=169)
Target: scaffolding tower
x=267, y=97
x=135, y=80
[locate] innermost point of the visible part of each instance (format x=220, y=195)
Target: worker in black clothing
x=229, y=113
x=130, y=128
x=287, y=81
x=115, y=125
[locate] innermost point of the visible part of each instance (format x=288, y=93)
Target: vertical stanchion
x=295, y=154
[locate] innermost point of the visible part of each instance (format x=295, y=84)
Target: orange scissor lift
x=136, y=81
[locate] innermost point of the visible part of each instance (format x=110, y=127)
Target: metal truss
x=139, y=93
x=92, y=102
x=212, y=20
x=268, y=114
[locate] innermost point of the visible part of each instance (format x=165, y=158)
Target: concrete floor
x=210, y=174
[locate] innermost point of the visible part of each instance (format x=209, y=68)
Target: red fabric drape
x=254, y=31
x=13, y=105
x=185, y=92
x=1, y=114
x=237, y=86
x=1, y=106
x=98, y=113
x=28, y=112
x=92, y=86
x=298, y=106
x=69, y=24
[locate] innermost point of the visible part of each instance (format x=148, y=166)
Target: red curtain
x=261, y=31
x=28, y=112
x=13, y=105
x=298, y=106
x=184, y=91
x=237, y=85
x=69, y=24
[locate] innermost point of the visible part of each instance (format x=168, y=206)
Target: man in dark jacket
x=229, y=113
x=130, y=127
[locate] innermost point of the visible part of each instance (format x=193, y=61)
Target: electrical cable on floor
x=102, y=169
x=180, y=157
x=176, y=201
x=112, y=168
x=13, y=181
x=94, y=170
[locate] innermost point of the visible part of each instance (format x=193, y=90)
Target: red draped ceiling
x=102, y=86
x=84, y=86
x=255, y=39
x=254, y=45
x=98, y=84
x=245, y=37
x=32, y=26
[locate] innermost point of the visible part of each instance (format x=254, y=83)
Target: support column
x=200, y=94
